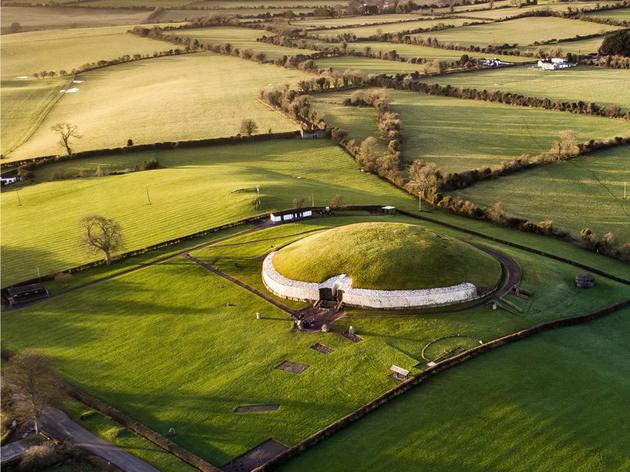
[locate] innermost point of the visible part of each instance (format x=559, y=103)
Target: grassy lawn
x=156, y=101
x=371, y=30
x=560, y=412
x=117, y=434
x=584, y=192
x=387, y=257
x=181, y=335
x=196, y=189
x=522, y=31
x=582, y=46
x=604, y=86
x=368, y=65
x=412, y=50
x=41, y=18
x=242, y=38
x=24, y=105
x=27, y=53
x=459, y=134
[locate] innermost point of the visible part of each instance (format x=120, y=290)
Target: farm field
x=192, y=309
x=506, y=419
x=522, y=31
x=581, y=46
x=157, y=88
x=24, y=104
x=583, y=192
x=196, y=189
x=367, y=31
x=438, y=129
x=368, y=65
x=24, y=54
x=242, y=38
x=604, y=86
x=618, y=14
x=412, y=50
x=41, y=18
x=354, y=20
x=502, y=13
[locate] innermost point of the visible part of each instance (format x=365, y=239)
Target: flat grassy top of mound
x=387, y=256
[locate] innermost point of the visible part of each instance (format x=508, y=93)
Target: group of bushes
x=509, y=98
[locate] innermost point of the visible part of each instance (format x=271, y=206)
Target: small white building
x=555, y=63
x=495, y=62
x=8, y=180
x=313, y=133
x=290, y=215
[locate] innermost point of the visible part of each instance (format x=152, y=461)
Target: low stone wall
x=365, y=298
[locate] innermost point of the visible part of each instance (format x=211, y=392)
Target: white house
x=555, y=63
x=8, y=180
x=290, y=215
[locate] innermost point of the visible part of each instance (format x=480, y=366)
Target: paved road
x=13, y=451
x=59, y=426
x=512, y=268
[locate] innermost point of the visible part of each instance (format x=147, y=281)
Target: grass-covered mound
x=387, y=256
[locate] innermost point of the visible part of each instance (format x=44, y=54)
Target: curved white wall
x=309, y=291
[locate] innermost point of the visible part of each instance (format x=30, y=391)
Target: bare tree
x=33, y=384
x=101, y=234
x=248, y=127
x=298, y=203
x=66, y=132
x=336, y=201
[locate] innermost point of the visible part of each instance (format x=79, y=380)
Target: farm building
x=8, y=180
x=555, y=63
x=290, y=215
x=26, y=293
x=584, y=281
x=494, y=62
x=313, y=133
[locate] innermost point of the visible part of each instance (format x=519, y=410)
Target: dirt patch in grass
x=322, y=348
x=293, y=367
x=256, y=408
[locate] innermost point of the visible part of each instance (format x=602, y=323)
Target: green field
x=619, y=14
x=353, y=20
x=54, y=50
x=155, y=100
x=24, y=104
x=366, y=31
x=40, y=18
x=551, y=402
x=604, y=86
x=582, y=46
x=197, y=189
x=584, y=192
x=523, y=31
x=368, y=65
x=411, y=50
x=459, y=134
x=502, y=13
x=242, y=38
x=169, y=344
x=387, y=257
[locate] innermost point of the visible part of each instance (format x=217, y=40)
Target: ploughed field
x=492, y=413
x=461, y=134
x=583, y=192
x=195, y=189
x=193, y=96
x=600, y=85
x=173, y=345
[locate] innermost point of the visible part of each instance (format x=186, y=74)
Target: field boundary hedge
x=40, y=161
x=428, y=374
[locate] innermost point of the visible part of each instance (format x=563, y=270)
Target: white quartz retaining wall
x=297, y=290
